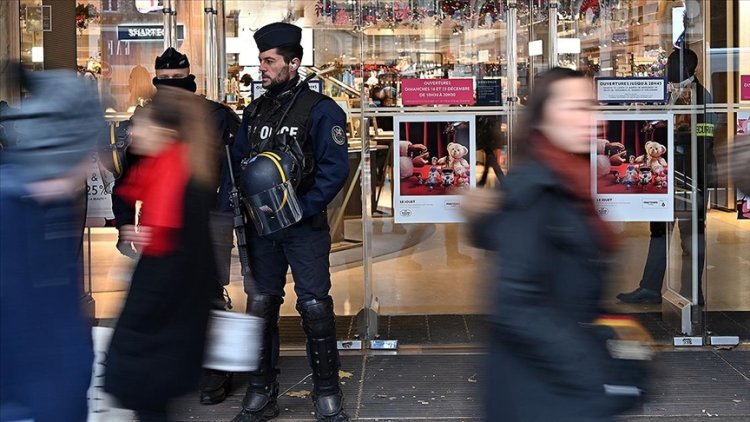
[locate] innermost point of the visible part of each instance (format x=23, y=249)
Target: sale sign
x=437, y=91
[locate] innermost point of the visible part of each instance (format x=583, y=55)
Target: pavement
x=445, y=385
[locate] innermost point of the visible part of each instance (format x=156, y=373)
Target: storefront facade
x=437, y=72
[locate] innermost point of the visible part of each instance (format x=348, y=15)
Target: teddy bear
x=411, y=156
x=462, y=175
x=653, y=157
x=456, y=154
x=608, y=154
x=660, y=180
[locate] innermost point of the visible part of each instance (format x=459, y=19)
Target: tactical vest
x=265, y=114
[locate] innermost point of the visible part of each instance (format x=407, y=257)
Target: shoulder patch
x=338, y=135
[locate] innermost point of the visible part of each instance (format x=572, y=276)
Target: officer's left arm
x=328, y=135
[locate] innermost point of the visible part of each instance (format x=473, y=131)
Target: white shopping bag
x=233, y=342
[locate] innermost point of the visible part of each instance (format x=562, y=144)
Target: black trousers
x=656, y=262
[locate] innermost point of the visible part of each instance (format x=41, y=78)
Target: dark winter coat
x=545, y=363
x=45, y=340
x=157, y=348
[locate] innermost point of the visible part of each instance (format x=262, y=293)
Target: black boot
x=319, y=323
x=215, y=386
x=641, y=295
x=260, y=403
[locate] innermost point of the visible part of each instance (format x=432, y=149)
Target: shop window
x=110, y=5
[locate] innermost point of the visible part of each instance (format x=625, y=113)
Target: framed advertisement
x=633, y=167
x=434, y=163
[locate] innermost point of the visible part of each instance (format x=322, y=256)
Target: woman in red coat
x=160, y=334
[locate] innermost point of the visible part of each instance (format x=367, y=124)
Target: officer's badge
x=338, y=135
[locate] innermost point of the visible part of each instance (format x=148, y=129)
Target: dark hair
x=163, y=112
x=680, y=61
x=246, y=79
x=290, y=52
x=538, y=98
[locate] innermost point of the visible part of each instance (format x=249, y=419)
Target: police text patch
x=338, y=135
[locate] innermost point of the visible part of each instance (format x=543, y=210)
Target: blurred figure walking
x=157, y=347
x=547, y=362
x=45, y=340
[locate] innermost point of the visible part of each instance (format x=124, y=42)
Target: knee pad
x=265, y=306
x=318, y=318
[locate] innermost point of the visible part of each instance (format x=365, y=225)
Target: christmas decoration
x=84, y=15
x=412, y=13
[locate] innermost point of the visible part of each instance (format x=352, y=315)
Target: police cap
x=276, y=35
x=171, y=59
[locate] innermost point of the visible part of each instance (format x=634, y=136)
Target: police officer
x=172, y=69
x=681, y=66
x=316, y=123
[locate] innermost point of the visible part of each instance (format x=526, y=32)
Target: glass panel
x=727, y=64
x=32, y=34
x=331, y=40
x=428, y=267
x=634, y=39
x=116, y=48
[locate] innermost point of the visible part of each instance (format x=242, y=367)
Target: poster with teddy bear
x=434, y=163
x=632, y=167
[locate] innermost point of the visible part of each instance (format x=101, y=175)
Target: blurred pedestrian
x=546, y=362
x=172, y=69
x=45, y=340
x=157, y=347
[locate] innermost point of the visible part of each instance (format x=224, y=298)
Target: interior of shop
x=368, y=49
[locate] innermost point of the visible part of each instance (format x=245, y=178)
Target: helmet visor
x=274, y=209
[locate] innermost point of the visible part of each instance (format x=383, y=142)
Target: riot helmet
x=268, y=185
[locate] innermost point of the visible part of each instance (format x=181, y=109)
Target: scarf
x=574, y=171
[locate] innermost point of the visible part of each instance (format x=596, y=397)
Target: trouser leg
x=222, y=235
x=656, y=261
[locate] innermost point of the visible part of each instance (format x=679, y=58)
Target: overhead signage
x=631, y=90
x=489, y=92
x=437, y=91
x=745, y=87
x=145, y=32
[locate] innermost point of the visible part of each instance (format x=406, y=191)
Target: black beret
x=171, y=59
x=276, y=35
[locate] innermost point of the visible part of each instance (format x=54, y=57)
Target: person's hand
x=126, y=248
x=132, y=241
x=421, y=159
x=417, y=148
x=619, y=158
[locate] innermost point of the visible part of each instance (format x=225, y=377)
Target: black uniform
x=316, y=123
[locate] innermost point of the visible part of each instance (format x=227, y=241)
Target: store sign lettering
x=145, y=32
x=631, y=90
x=745, y=87
x=437, y=91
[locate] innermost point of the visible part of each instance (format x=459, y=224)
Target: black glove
x=126, y=248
